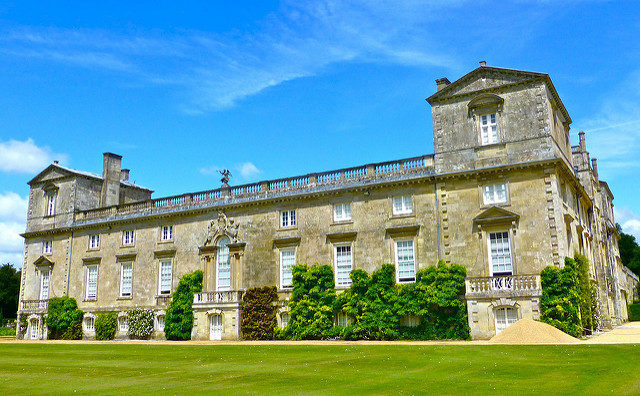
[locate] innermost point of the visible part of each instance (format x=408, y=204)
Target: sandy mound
x=528, y=331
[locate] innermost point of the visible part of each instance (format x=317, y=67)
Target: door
x=505, y=317
x=215, y=327
x=35, y=329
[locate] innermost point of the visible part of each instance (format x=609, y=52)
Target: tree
x=9, y=290
x=179, y=318
x=64, y=319
x=629, y=251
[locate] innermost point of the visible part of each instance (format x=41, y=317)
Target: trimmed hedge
x=259, y=313
x=140, y=323
x=179, y=317
x=64, y=319
x=106, y=325
x=634, y=312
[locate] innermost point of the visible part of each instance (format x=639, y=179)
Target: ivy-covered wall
x=259, y=313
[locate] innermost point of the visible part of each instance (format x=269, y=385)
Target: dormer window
x=488, y=129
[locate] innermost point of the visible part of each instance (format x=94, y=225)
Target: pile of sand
x=528, y=331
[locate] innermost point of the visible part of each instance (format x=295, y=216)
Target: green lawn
x=395, y=369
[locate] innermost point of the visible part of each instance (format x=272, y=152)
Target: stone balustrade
x=503, y=286
x=263, y=189
x=215, y=297
x=34, y=306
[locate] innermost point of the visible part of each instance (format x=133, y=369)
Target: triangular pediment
x=483, y=78
x=42, y=261
x=496, y=214
x=52, y=172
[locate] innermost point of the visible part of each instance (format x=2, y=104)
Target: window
x=410, y=321
x=44, y=284
x=402, y=205
x=344, y=264
x=505, y=317
x=288, y=218
x=94, y=242
x=342, y=319
x=167, y=233
x=123, y=324
x=126, y=278
x=88, y=324
x=223, y=274
x=92, y=282
x=499, y=253
x=47, y=247
x=494, y=194
x=284, y=319
x=342, y=212
x=488, y=129
x=160, y=321
x=405, y=261
x=127, y=238
x=50, y=209
x=287, y=261
x=165, y=277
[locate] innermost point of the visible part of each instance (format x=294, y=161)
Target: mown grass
x=352, y=369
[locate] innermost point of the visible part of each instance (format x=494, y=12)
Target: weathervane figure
x=226, y=174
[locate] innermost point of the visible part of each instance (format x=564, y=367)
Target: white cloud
x=249, y=171
x=217, y=71
x=13, y=213
x=26, y=157
x=628, y=220
x=210, y=170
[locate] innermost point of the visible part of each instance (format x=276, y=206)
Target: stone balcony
x=34, y=306
x=503, y=286
x=203, y=299
x=341, y=178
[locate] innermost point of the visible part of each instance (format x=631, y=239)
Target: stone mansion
x=504, y=194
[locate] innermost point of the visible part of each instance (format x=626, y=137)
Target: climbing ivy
x=259, y=313
x=179, y=316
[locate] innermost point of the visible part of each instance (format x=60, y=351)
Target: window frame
x=404, y=210
x=342, y=319
x=158, y=326
x=47, y=243
x=344, y=212
x=494, y=193
x=123, y=324
x=489, y=141
x=44, y=271
x=89, y=319
x=169, y=236
x=219, y=262
x=397, y=259
x=281, y=254
x=122, y=278
x=132, y=242
x=505, y=310
x=50, y=203
x=87, y=296
x=161, y=291
x=335, y=264
x=291, y=218
x=489, y=253
x=94, y=242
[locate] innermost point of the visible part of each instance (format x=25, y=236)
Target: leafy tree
x=9, y=290
x=106, y=325
x=179, y=317
x=64, y=319
x=561, y=297
x=311, y=303
x=629, y=251
x=259, y=313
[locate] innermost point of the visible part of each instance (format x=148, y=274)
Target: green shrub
x=634, y=312
x=140, y=323
x=179, y=317
x=64, y=319
x=588, y=295
x=106, y=325
x=312, y=299
x=7, y=331
x=561, y=297
x=259, y=313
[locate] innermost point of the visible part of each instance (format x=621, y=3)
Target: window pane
x=343, y=265
x=44, y=285
x=405, y=261
x=92, y=282
x=287, y=261
x=127, y=276
x=165, y=277
x=224, y=265
x=500, y=252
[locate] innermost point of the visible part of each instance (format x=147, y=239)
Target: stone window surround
x=403, y=233
x=91, y=239
x=279, y=245
x=44, y=246
x=86, y=264
x=344, y=219
x=484, y=231
x=342, y=239
x=482, y=182
x=161, y=238
x=50, y=193
x=133, y=238
x=402, y=214
x=289, y=226
x=485, y=104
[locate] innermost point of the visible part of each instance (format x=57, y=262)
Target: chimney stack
x=110, y=194
x=483, y=63
x=594, y=165
x=442, y=83
x=583, y=143
x=124, y=175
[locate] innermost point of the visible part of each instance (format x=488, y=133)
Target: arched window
x=223, y=271
x=505, y=317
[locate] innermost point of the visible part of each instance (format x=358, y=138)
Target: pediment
x=496, y=214
x=42, y=261
x=484, y=78
x=52, y=172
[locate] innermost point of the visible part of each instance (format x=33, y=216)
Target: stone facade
x=503, y=194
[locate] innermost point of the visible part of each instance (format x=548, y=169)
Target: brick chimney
x=110, y=194
x=442, y=82
x=124, y=175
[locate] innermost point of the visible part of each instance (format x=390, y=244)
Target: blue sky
x=272, y=89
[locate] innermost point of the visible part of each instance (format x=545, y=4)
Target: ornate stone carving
x=222, y=226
